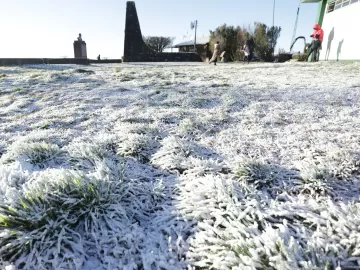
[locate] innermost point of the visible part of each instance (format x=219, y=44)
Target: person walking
x=215, y=54
x=316, y=44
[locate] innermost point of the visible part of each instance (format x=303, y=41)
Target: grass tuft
x=257, y=173
x=86, y=71
x=36, y=153
x=40, y=220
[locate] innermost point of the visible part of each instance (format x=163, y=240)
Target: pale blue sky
x=47, y=28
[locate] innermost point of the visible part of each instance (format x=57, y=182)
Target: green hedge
x=300, y=57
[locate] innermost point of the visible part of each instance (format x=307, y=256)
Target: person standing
x=215, y=54
x=246, y=54
x=223, y=57
x=250, y=44
x=316, y=44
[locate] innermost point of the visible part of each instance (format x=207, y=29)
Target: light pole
x=273, y=27
x=274, y=14
x=194, y=25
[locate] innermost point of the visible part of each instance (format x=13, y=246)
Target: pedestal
x=80, y=49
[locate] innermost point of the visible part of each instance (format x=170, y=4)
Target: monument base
x=80, y=49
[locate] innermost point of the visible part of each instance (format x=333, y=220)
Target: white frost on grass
x=180, y=166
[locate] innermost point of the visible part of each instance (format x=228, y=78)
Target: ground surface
x=175, y=166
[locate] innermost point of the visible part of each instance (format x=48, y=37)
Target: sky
x=48, y=28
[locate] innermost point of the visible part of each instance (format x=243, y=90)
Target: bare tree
x=158, y=44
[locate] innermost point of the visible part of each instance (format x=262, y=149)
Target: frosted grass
x=180, y=166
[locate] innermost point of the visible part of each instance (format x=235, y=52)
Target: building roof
x=199, y=41
x=310, y=1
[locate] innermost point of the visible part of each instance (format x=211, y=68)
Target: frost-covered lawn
x=180, y=166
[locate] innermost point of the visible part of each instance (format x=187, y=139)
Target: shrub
x=300, y=57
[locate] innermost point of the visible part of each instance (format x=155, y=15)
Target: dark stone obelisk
x=134, y=44
x=135, y=49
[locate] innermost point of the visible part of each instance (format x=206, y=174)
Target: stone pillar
x=80, y=48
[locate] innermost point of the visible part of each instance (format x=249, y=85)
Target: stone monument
x=80, y=48
x=135, y=49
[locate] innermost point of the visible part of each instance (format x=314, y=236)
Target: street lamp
x=193, y=25
x=274, y=14
x=273, y=27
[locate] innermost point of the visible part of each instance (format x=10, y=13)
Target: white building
x=340, y=20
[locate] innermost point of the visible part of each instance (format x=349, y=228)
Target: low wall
x=165, y=57
x=54, y=61
x=35, y=61
x=105, y=61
